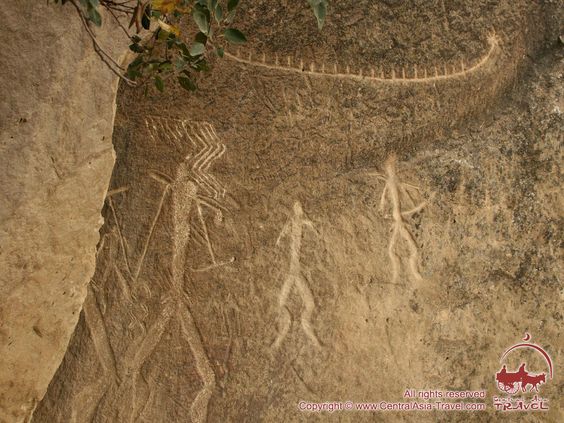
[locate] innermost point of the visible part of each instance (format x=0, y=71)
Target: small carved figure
x=295, y=279
x=396, y=192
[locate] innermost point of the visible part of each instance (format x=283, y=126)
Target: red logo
x=510, y=382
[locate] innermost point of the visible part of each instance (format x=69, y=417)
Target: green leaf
x=234, y=36
x=218, y=13
x=187, y=83
x=180, y=63
x=94, y=16
x=184, y=49
x=220, y=52
x=152, y=66
x=201, y=38
x=197, y=49
x=165, y=66
x=136, y=63
x=162, y=35
x=133, y=74
x=159, y=83
x=319, y=10
x=136, y=48
x=146, y=20
x=232, y=4
x=202, y=20
x=201, y=66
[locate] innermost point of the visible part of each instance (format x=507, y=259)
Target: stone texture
x=56, y=157
x=245, y=263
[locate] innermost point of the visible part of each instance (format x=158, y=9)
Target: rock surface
x=56, y=156
x=301, y=232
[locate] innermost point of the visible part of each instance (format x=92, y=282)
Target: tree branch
x=106, y=58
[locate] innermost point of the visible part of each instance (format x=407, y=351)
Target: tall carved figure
x=184, y=199
x=122, y=391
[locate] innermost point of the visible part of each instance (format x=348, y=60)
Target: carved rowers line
x=396, y=77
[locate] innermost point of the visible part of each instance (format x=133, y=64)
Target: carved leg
x=285, y=319
x=309, y=307
x=284, y=323
x=414, y=254
x=199, y=408
x=393, y=256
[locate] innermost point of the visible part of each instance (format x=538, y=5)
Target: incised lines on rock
x=206, y=145
x=185, y=192
x=118, y=384
x=206, y=190
x=396, y=192
x=193, y=187
x=295, y=279
x=414, y=75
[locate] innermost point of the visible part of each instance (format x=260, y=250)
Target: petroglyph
x=243, y=339
x=129, y=369
x=201, y=147
x=295, y=279
x=396, y=192
x=185, y=192
x=112, y=192
x=192, y=197
x=416, y=75
x=230, y=312
x=206, y=147
x=116, y=374
x=191, y=188
x=199, y=408
x=118, y=226
x=97, y=327
x=193, y=177
x=103, y=349
x=123, y=242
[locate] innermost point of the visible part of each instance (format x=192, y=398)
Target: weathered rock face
x=263, y=244
x=56, y=120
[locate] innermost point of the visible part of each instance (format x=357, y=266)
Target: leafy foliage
x=319, y=10
x=173, y=39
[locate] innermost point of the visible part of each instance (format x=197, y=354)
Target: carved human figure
x=295, y=279
x=309, y=129
x=115, y=395
x=396, y=192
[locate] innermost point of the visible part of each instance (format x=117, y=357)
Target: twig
x=110, y=9
x=106, y=58
x=119, y=6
